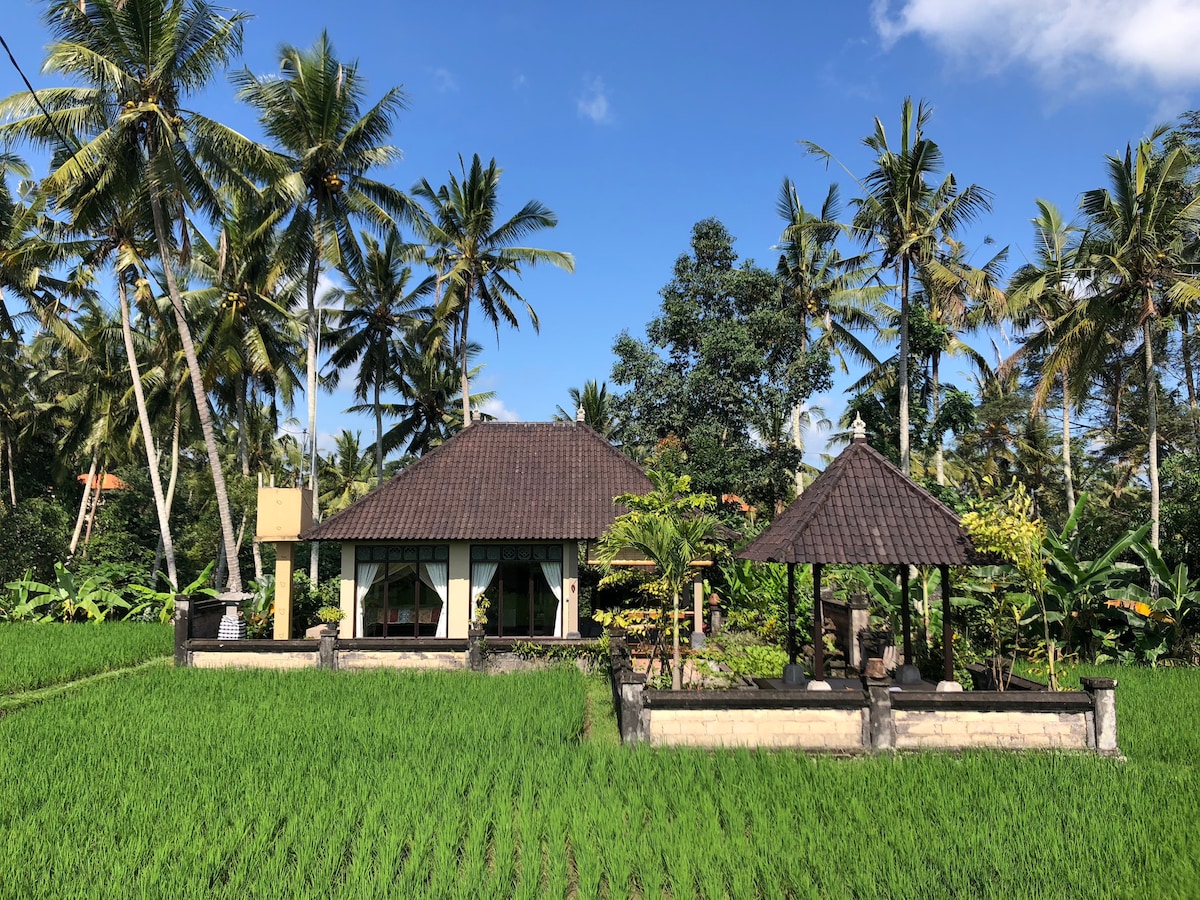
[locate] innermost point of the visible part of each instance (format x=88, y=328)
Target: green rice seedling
x=38, y=655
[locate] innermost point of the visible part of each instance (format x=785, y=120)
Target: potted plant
x=329, y=616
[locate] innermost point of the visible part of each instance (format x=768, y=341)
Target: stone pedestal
x=818, y=686
x=793, y=675
x=1103, y=692
x=948, y=687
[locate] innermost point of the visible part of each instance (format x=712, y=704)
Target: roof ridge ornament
x=580, y=415
x=860, y=427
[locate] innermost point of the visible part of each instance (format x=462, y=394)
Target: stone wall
x=873, y=719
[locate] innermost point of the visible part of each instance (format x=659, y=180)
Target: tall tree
x=136, y=65
x=377, y=312
x=328, y=146
x=904, y=215
x=1042, y=293
x=474, y=257
x=1142, y=226
x=599, y=411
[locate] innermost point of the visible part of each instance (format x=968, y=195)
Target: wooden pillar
x=791, y=647
x=947, y=631
x=698, y=608
x=906, y=615
x=818, y=638
x=285, y=562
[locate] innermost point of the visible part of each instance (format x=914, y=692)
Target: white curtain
x=437, y=576
x=553, y=574
x=482, y=574
x=367, y=573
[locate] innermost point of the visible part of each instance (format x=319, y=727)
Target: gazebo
x=862, y=509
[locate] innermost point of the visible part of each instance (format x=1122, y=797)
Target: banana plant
x=1164, y=617
x=92, y=596
x=28, y=598
x=1075, y=587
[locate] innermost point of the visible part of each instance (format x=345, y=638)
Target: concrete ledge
x=755, y=700
x=993, y=701
x=224, y=658
x=402, y=645
x=251, y=646
x=399, y=659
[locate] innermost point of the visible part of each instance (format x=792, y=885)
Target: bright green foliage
x=452, y=785
x=669, y=526
x=34, y=656
x=1008, y=528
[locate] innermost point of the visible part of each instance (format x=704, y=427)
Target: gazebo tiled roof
x=862, y=509
x=497, y=481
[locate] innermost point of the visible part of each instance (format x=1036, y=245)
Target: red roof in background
x=107, y=482
x=497, y=481
x=863, y=509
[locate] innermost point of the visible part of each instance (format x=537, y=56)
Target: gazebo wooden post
x=818, y=636
x=947, y=631
x=905, y=615
x=791, y=613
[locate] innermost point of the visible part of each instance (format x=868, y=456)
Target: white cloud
x=1067, y=42
x=497, y=410
x=443, y=81
x=519, y=82
x=593, y=103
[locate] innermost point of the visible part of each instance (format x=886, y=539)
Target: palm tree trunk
x=203, y=413
x=243, y=442
x=939, y=456
x=378, y=435
x=1068, y=472
x=462, y=350
x=139, y=396
x=676, y=662
x=1152, y=402
x=173, y=478
x=314, y=273
x=798, y=443
x=83, y=503
x=87, y=535
x=12, y=473
x=902, y=371
x=1185, y=346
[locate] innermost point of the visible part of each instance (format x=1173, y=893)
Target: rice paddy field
x=200, y=783
x=39, y=655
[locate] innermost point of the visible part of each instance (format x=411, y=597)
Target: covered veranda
x=863, y=510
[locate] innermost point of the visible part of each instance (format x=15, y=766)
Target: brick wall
x=974, y=729
x=805, y=729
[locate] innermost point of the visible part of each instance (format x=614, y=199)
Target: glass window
x=403, y=600
x=522, y=601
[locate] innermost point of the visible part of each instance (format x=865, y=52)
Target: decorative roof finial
x=579, y=415
x=860, y=427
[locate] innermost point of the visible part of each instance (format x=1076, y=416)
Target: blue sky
x=632, y=121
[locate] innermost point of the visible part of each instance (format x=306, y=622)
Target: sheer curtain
x=367, y=573
x=482, y=574
x=552, y=571
x=437, y=576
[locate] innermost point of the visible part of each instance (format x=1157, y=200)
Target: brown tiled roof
x=497, y=481
x=862, y=509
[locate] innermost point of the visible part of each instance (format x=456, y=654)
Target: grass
x=194, y=783
x=38, y=655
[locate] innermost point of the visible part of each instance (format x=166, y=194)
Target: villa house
x=497, y=512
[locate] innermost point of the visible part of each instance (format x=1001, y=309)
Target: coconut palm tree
x=347, y=473
x=428, y=381
x=1142, y=227
x=376, y=313
x=249, y=336
x=327, y=145
x=1042, y=293
x=904, y=215
x=475, y=258
x=599, y=411
x=135, y=65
